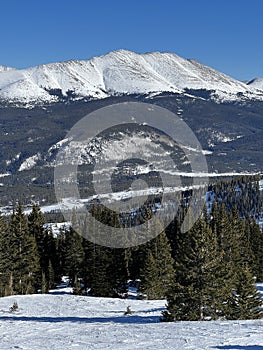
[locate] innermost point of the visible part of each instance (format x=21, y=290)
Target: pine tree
x=119, y=263
x=40, y=234
x=88, y=248
x=119, y=270
x=174, y=234
x=149, y=286
x=214, y=222
x=44, y=283
x=6, y=261
x=137, y=256
x=157, y=274
x=74, y=257
x=241, y=251
x=60, y=249
x=51, y=275
x=226, y=234
x=255, y=235
x=106, y=269
x=245, y=302
x=101, y=281
x=196, y=293
x=24, y=254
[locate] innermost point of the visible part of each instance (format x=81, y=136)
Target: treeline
x=207, y=273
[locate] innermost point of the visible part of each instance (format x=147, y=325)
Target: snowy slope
x=117, y=72
x=256, y=83
x=5, y=69
x=62, y=321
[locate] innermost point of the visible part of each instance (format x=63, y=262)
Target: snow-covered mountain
x=118, y=72
x=5, y=68
x=256, y=83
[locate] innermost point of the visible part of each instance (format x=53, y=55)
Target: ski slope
x=61, y=321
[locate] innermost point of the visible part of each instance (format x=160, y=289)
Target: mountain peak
x=256, y=83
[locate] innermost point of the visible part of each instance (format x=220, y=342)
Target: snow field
x=63, y=321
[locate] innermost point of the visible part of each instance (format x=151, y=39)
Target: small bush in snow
x=14, y=307
x=128, y=311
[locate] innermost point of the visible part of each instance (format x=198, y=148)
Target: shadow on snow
x=239, y=347
x=121, y=319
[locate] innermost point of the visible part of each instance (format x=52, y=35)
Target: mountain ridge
x=116, y=73
x=5, y=68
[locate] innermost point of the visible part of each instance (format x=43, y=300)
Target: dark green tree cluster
x=208, y=272
x=214, y=270
x=101, y=271
x=25, y=254
x=242, y=193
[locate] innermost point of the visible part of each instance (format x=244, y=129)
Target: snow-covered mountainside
x=5, y=69
x=118, y=72
x=256, y=83
x=62, y=321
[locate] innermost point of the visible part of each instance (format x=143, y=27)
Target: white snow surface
x=56, y=227
x=30, y=162
x=256, y=83
x=62, y=321
x=118, y=72
x=4, y=175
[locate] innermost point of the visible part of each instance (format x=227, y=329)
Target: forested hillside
x=207, y=273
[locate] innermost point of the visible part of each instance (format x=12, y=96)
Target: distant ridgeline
x=206, y=273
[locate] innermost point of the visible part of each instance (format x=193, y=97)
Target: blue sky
x=226, y=35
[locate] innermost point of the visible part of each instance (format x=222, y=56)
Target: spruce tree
x=51, y=275
x=37, y=230
x=60, y=249
x=241, y=251
x=149, y=286
x=6, y=259
x=245, y=302
x=196, y=293
x=157, y=273
x=119, y=270
x=24, y=254
x=106, y=269
x=255, y=235
x=74, y=256
x=101, y=281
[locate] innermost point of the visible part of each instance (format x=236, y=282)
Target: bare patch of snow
x=30, y=162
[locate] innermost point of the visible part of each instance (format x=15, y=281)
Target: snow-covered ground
x=62, y=321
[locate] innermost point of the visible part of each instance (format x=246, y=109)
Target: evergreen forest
x=207, y=273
